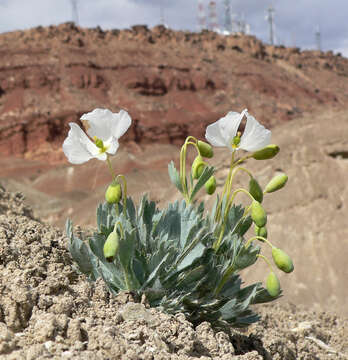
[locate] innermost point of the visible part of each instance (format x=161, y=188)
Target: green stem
x=227, y=209
x=247, y=244
x=126, y=278
x=183, y=153
x=267, y=261
x=124, y=192
x=219, y=205
x=110, y=167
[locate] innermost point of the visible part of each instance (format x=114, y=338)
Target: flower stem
x=267, y=261
x=124, y=192
x=110, y=167
x=247, y=244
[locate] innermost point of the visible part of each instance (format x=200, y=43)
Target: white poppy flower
x=104, y=127
x=224, y=133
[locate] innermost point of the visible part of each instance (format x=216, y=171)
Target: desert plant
x=182, y=258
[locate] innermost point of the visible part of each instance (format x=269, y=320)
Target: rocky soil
x=48, y=311
x=173, y=83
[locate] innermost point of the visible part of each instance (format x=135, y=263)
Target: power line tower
x=75, y=14
x=270, y=18
x=213, y=22
x=161, y=13
x=234, y=23
x=228, y=17
x=240, y=24
x=201, y=16
x=318, y=38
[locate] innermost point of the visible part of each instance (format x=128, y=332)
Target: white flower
x=224, y=133
x=104, y=127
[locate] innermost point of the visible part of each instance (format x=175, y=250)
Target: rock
x=172, y=82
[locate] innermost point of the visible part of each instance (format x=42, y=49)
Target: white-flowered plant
x=104, y=128
x=182, y=258
x=224, y=133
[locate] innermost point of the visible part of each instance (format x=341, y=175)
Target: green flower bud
x=258, y=214
x=267, y=152
x=205, y=149
x=111, y=246
x=113, y=193
x=276, y=183
x=255, y=190
x=273, y=284
x=198, y=166
x=261, y=231
x=282, y=260
x=210, y=185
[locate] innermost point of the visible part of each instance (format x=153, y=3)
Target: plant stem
x=247, y=244
x=110, y=167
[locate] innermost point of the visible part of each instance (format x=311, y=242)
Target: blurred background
x=177, y=66
x=306, y=24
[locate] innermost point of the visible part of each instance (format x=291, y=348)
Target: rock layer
x=172, y=82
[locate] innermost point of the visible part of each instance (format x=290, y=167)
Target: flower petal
x=77, y=147
x=213, y=134
x=112, y=145
x=121, y=123
x=100, y=123
x=229, y=125
x=255, y=136
x=222, y=132
x=103, y=123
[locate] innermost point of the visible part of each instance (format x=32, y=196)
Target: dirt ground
x=48, y=311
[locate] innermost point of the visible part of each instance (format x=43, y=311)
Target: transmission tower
x=270, y=18
x=161, y=13
x=201, y=16
x=318, y=38
x=241, y=25
x=228, y=17
x=213, y=22
x=234, y=23
x=75, y=14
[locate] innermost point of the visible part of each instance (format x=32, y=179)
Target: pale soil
x=48, y=311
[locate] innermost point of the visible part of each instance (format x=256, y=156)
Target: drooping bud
x=113, y=193
x=111, y=246
x=198, y=166
x=205, y=149
x=276, y=183
x=267, y=152
x=273, y=284
x=282, y=260
x=261, y=231
x=210, y=185
x=258, y=214
x=255, y=190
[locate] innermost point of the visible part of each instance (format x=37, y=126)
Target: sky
x=296, y=22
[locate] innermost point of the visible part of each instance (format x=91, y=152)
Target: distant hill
x=172, y=82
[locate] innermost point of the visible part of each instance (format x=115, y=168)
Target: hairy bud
x=258, y=214
x=113, y=193
x=111, y=246
x=255, y=190
x=205, y=149
x=266, y=153
x=273, y=284
x=210, y=185
x=282, y=260
x=261, y=231
x=276, y=183
x=198, y=166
